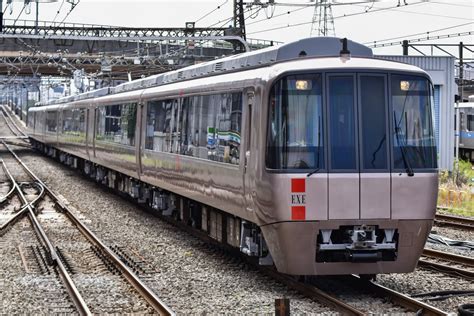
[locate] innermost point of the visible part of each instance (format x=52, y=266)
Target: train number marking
x=298, y=199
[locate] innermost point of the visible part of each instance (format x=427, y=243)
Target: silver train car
x=313, y=156
x=466, y=131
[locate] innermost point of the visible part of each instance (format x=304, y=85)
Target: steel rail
x=14, y=123
x=76, y=297
x=454, y=221
x=414, y=305
x=467, y=261
x=7, y=196
x=129, y=275
x=447, y=268
x=8, y=123
x=313, y=292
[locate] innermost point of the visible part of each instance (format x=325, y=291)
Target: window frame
x=327, y=77
x=432, y=123
x=355, y=71
x=388, y=138
x=180, y=100
x=324, y=127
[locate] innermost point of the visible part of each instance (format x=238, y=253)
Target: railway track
x=27, y=277
x=448, y=263
x=309, y=289
x=338, y=304
x=454, y=221
x=360, y=290
x=56, y=259
x=12, y=126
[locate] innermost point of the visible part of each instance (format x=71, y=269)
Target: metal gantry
x=323, y=20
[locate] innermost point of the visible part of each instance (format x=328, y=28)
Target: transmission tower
x=323, y=21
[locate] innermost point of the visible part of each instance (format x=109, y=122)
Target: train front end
x=351, y=163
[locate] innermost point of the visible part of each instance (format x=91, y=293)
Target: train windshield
x=413, y=136
x=295, y=134
x=358, y=123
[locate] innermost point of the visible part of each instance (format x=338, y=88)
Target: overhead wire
x=278, y=15
x=73, y=6
x=209, y=13
x=227, y=20
x=57, y=13
x=424, y=39
x=423, y=13
x=22, y=9
x=6, y=7
x=417, y=34
x=337, y=17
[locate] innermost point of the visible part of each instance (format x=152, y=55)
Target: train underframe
x=365, y=247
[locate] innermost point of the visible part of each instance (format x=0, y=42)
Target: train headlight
x=404, y=85
x=303, y=85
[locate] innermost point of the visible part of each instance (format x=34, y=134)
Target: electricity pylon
x=323, y=21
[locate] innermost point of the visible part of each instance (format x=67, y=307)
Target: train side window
x=108, y=123
x=159, y=125
x=295, y=134
x=207, y=130
x=373, y=120
x=175, y=126
x=189, y=120
x=470, y=123
x=51, y=121
x=68, y=122
x=128, y=124
x=413, y=134
x=115, y=123
x=228, y=125
x=80, y=119
x=221, y=127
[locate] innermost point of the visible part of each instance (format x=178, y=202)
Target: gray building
x=441, y=69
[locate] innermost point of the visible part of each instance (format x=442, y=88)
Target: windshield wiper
x=319, y=149
x=312, y=172
x=402, y=147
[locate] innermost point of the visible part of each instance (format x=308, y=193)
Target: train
x=312, y=156
x=466, y=131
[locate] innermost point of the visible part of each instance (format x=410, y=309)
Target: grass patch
x=456, y=192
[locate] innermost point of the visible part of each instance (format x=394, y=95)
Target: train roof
x=308, y=47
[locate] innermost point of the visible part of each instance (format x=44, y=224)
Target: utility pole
x=461, y=71
x=239, y=24
x=37, y=17
x=1, y=16
x=323, y=20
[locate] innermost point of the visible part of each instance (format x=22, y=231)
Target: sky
x=364, y=23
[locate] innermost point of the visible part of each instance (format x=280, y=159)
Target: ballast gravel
x=189, y=277
x=455, y=234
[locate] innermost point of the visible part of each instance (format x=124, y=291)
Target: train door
x=59, y=125
x=141, y=121
x=343, y=161
x=88, y=125
x=94, y=121
x=248, y=156
x=375, y=177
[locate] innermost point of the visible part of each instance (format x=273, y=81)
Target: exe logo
x=298, y=199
